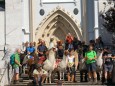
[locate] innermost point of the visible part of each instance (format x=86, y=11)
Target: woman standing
x=90, y=57
x=70, y=61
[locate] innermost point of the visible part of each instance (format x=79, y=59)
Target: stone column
x=84, y=20
x=31, y=19
x=96, y=21
x=25, y=22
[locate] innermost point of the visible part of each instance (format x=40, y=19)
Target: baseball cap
x=38, y=65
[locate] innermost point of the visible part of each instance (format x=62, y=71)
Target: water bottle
x=39, y=78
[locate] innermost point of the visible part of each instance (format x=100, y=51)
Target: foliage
x=109, y=20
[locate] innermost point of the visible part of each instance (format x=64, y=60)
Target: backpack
x=12, y=59
x=60, y=52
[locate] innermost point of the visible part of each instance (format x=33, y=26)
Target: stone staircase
x=28, y=82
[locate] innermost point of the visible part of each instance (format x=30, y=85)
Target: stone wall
x=2, y=26
x=13, y=22
x=2, y=34
x=25, y=18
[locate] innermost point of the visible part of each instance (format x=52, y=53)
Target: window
x=2, y=5
x=57, y=0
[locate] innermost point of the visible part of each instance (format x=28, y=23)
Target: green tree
x=109, y=21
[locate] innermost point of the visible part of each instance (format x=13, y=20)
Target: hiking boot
x=109, y=81
x=21, y=80
x=105, y=81
x=42, y=84
x=17, y=82
x=95, y=81
x=14, y=82
x=90, y=81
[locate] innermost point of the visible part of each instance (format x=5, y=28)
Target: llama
x=62, y=67
x=99, y=62
x=49, y=64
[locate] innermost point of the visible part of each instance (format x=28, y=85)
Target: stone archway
x=58, y=23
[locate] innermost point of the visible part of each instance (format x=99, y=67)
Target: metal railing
x=6, y=74
x=6, y=71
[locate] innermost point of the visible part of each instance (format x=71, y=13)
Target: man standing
x=90, y=57
x=42, y=49
x=108, y=65
x=16, y=65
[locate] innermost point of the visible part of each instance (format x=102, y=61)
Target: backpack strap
x=94, y=53
x=14, y=58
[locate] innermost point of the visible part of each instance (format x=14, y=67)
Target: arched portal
x=58, y=23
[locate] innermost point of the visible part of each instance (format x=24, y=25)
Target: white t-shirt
x=70, y=59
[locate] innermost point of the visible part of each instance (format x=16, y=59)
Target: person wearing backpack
x=108, y=65
x=16, y=64
x=90, y=57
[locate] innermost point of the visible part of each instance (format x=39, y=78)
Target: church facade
x=60, y=18
x=29, y=20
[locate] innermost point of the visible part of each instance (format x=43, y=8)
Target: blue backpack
x=12, y=59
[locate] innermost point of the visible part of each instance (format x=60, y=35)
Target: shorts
x=71, y=70
x=91, y=67
x=108, y=68
x=16, y=70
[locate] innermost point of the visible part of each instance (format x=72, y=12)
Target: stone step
x=55, y=84
x=66, y=83
x=27, y=82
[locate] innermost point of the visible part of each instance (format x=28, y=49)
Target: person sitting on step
x=39, y=75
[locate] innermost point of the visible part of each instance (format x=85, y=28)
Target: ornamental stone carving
x=58, y=20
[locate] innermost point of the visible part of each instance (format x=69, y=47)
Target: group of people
x=74, y=50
